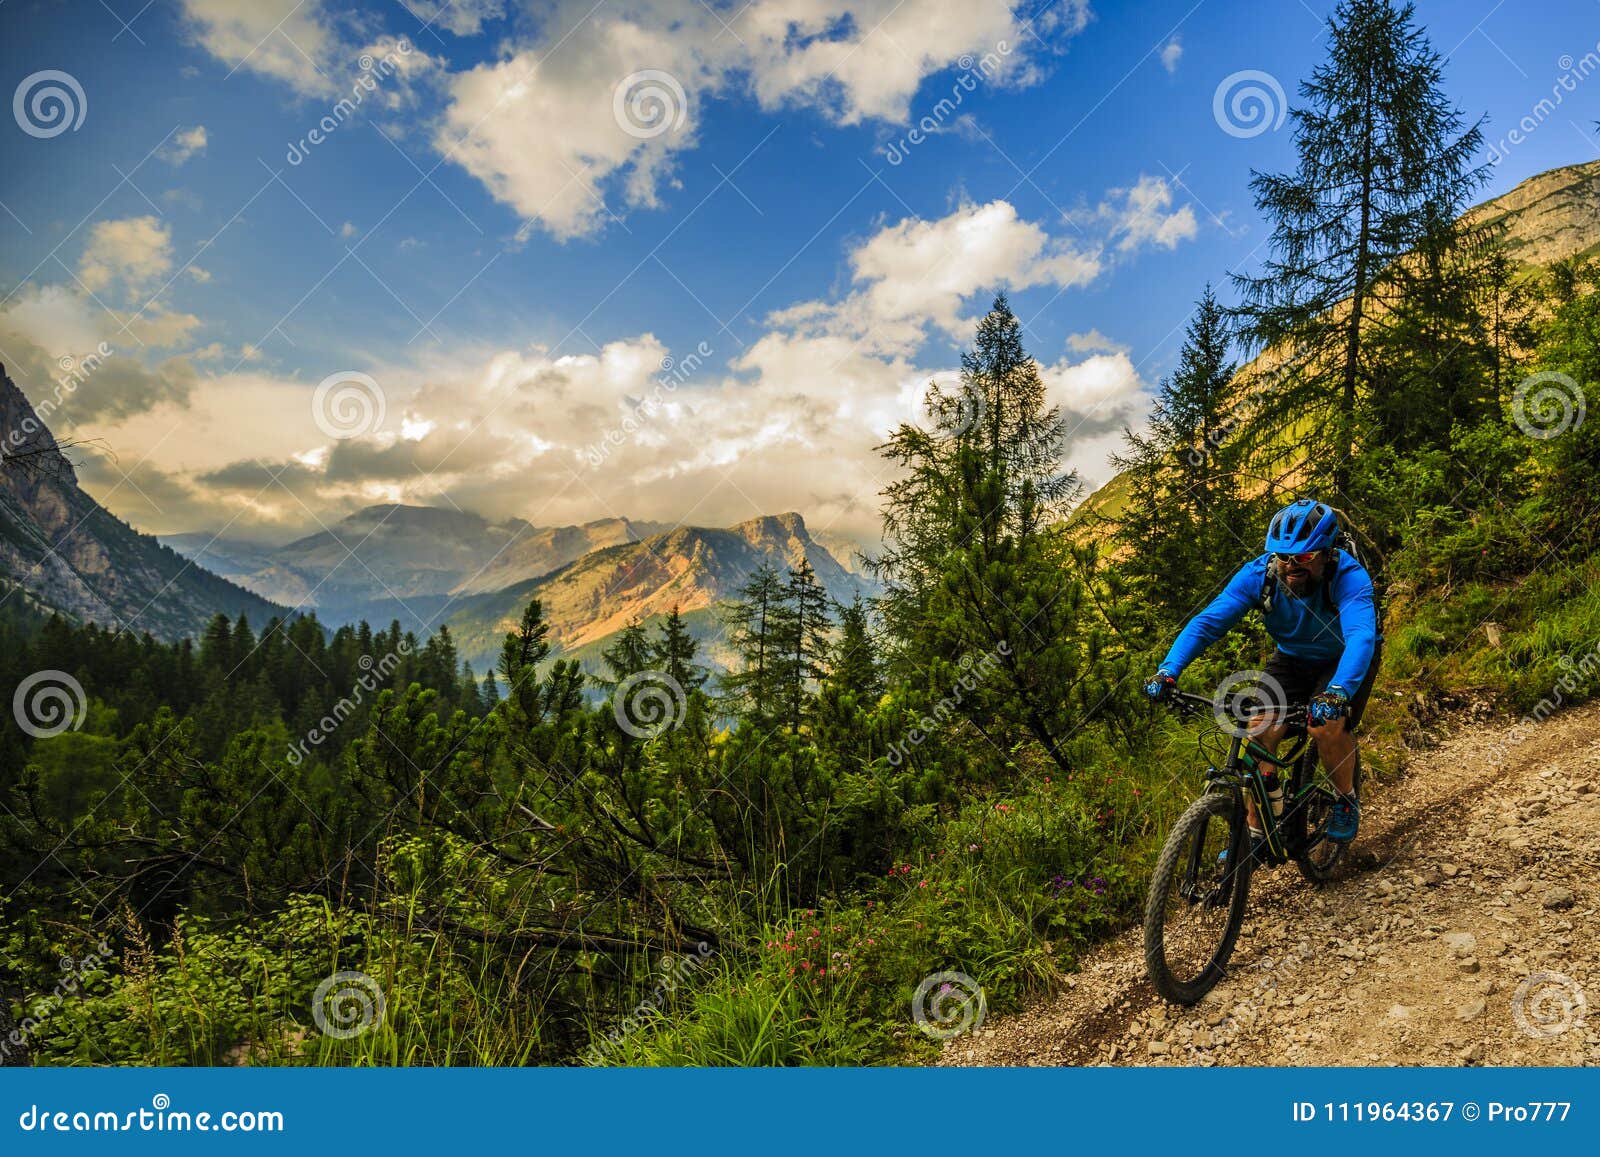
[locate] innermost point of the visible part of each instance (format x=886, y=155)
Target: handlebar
x=1188, y=705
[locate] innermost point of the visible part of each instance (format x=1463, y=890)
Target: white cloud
x=462, y=17
x=184, y=144
x=917, y=274
x=1143, y=217
x=132, y=251
x=852, y=62
x=288, y=40
x=1094, y=342
x=1171, y=54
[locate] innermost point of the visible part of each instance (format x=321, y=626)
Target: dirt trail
x=1464, y=932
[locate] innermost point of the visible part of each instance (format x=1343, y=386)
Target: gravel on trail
x=1462, y=930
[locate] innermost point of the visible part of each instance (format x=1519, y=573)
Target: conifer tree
x=673, y=653
x=976, y=577
x=757, y=624
x=1385, y=162
x=627, y=655
x=803, y=640
x=853, y=662
x=1180, y=529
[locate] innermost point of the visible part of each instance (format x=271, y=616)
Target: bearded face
x=1301, y=574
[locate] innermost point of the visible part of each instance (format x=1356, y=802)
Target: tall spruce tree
x=674, y=651
x=803, y=640
x=1386, y=162
x=757, y=624
x=1181, y=527
x=976, y=577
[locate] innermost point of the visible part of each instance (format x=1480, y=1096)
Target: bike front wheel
x=1197, y=897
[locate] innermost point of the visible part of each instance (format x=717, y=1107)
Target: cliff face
x=1549, y=217
x=62, y=550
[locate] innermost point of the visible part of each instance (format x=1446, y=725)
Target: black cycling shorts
x=1303, y=678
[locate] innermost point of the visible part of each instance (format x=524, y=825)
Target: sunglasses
x=1305, y=558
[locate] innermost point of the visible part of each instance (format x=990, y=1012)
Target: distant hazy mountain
x=406, y=554
x=424, y=566
x=697, y=569
x=61, y=550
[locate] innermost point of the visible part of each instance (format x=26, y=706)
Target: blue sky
x=482, y=239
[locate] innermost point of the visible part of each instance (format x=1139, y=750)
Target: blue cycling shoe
x=1345, y=820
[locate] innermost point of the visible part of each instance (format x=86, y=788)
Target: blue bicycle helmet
x=1302, y=526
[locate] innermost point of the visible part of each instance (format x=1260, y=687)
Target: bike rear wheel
x=1196, y=902
x=1306, y=819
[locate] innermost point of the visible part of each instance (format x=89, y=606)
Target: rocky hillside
x=693, y=568
x=1549, y=217
x=60, y=550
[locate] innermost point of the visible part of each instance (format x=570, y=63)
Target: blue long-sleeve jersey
x=1304, y=628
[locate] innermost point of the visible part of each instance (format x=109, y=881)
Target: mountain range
x=425, y=566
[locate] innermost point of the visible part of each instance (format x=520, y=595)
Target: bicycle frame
x=1241, y=772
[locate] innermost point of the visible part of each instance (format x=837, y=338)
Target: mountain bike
x=1202, y=878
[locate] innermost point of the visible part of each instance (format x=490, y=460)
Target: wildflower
x=972, y=847
x=822, y=972
x=922, y=883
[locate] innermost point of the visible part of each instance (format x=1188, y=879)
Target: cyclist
x=1318, y=605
